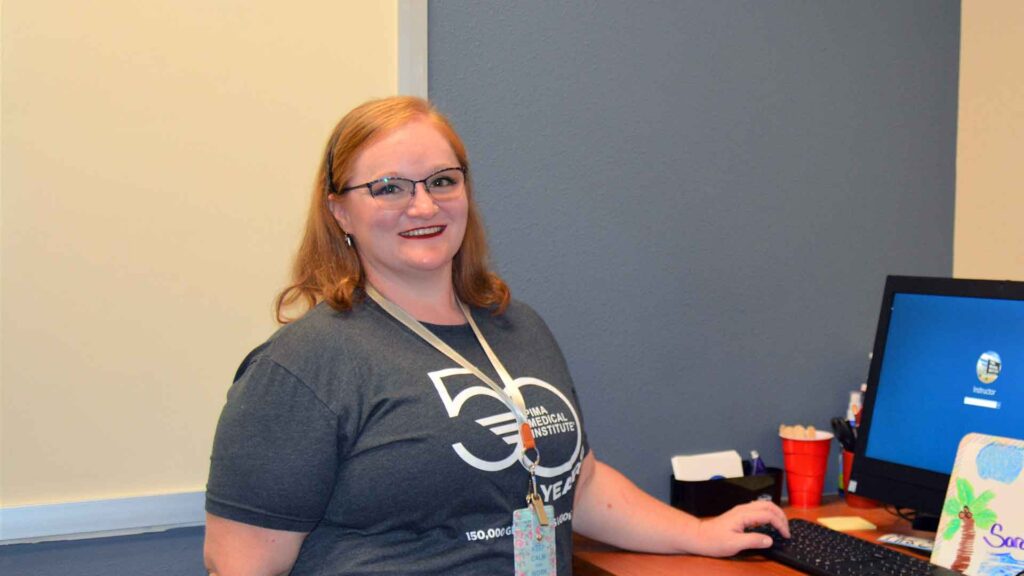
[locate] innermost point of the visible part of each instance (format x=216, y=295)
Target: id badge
x=534, y=543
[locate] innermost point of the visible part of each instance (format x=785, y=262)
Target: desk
x=592, y=558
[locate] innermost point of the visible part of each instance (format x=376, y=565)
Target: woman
x=417, y=419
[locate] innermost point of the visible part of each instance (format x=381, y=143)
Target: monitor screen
x=948, y=360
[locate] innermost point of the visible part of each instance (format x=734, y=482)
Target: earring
x=348, y=240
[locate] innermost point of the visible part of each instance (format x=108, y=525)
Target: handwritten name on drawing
x=1000, y=541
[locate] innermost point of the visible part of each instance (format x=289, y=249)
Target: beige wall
x=989, y=231
x=144, y=145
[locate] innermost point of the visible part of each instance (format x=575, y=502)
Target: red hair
x=328, y=270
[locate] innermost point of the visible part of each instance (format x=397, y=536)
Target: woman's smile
x=423, y=233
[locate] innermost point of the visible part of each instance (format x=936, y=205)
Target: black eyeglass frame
x=386, y=179
x=329, y=175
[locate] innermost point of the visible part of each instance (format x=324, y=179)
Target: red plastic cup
x=805, y=462
x=852, y=500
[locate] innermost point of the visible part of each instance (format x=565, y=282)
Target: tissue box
x=712, y=497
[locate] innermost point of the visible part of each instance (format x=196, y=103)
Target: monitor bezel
x=889, y=482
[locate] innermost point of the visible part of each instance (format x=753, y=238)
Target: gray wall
x=703, y=198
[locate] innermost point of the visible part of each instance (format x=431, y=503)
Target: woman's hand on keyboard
x=727, y=535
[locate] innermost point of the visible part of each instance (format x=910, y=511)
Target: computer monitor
x=948, y=360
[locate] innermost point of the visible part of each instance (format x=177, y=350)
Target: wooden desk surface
x=592, y=558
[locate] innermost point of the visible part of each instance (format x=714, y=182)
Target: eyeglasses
x=395, y=193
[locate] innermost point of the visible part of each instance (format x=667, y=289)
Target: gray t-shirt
x=393, y=457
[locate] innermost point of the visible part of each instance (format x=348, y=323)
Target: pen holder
x=713, y=497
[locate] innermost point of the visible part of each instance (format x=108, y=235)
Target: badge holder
x=532, y=527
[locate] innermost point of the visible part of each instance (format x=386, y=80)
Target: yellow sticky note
x=847, y=523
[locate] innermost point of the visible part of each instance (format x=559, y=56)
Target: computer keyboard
x=815, y=549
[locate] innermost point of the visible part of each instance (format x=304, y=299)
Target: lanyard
x=510, y=394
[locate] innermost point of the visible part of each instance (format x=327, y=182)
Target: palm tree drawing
x=969, y=513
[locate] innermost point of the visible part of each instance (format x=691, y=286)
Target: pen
x=756, y=464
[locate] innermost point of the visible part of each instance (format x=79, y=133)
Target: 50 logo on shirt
x=552, y=416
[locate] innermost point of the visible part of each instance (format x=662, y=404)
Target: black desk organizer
x=713, y=497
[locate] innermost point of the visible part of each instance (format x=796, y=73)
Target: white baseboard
x=76, y=520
